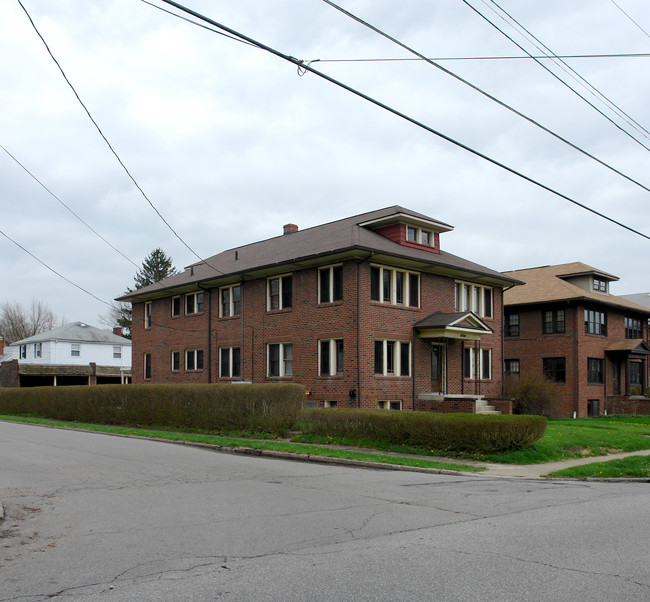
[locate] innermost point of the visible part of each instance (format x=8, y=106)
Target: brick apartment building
x=565, y=323
x=367, y=311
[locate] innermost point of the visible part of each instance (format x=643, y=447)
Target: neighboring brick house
x=72, y=354
x=366, y=312
x=564, y=322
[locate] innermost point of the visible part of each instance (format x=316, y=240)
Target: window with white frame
x=176, y=361
x=229, y=362
x=194, y=303
x=475, y=298
x=75, y=350
x=279, y=293
x=419, y=236
x=147, y=314
x=279, y=359
x=330, y=284
x=176, y=306
x=392, y=358
x=194, y=359
x=477, y=362
x=229, y=301
x=395, y=287
x=146, y=365
x=330, y=357
x=38, y=349
x=22, y=352
x=117, y=352
x=512, y=369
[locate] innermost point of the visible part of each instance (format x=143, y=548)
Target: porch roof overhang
x=458, y=325
x=635, y=348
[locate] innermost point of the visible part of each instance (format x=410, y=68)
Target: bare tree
x=18, y=322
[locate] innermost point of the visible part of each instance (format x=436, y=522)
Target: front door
x=438, y=369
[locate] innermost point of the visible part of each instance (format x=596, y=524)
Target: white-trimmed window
x=194, y=359
x=330, y=403
x=117, y=352
x=330, y=357
x=75, y=350
x=396, y=287
x=477, y=362
x=389, y=404
x=147, y=314
x=279, y=292
x=419, y=236
x=229, y=362
x=229, y=301
x=176, y=361
x=22, y=353
x=146, y=365
x=176, y=306
x=475, y=298
x=330, y=284
x=38, y=349
x=392, y=358
x=194, y=303
x=279, y=359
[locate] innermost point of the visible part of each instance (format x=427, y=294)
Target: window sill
x=235, y=317
x=394, y=306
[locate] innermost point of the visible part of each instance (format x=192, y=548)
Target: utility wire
x=483, y=92
x=53, y=270
x=128, y=173
x=630, y=18
x=470, y=58
x=302, y=65
x=69, y=209
x=613, y=106
x=480, y=14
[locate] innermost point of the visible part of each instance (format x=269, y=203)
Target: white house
x=74, y=353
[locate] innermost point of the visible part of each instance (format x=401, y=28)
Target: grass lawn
x=564, y=439
x=261, y=444
x=578, y=438
x=634, y=466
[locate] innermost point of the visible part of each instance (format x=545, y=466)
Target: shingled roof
x=549, y=283
x=76, y=332
x=350, y=237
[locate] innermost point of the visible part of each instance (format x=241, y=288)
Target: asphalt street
x=95, y=517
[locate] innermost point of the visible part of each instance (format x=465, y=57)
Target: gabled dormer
x=590, y=280
x=409, y=230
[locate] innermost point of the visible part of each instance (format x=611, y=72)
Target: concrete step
x=483, y=407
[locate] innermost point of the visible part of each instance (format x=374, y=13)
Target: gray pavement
x=94, y=517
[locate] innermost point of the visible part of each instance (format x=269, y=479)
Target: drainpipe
x=359, y=332
x=209, y=350
x=413, y=370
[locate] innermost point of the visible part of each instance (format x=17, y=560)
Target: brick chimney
x=2, y=346
x=118, y=331
x=290, y=229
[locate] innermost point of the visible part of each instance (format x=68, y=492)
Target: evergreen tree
x=155, y=267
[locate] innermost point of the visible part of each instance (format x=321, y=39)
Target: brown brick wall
x=576, y=346
x=303, y=325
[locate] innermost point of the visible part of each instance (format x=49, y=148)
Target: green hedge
x=259, y=408
x=447, y=432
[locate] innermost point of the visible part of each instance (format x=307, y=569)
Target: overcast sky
x=230, y=143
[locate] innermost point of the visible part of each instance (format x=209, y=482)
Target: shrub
x=261, y=408
x=532, y=394
x=446, y=432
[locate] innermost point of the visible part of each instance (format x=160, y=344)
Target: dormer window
x=600, y=285
x=419, y=236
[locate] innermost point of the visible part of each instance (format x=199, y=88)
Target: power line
x=128, y=173
x=483, y=92
x=630, y=18
x=480, y=14
x=607, y=101
x=302, y=65
x=475, y=58
x=53, y=270
x=69, y=209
